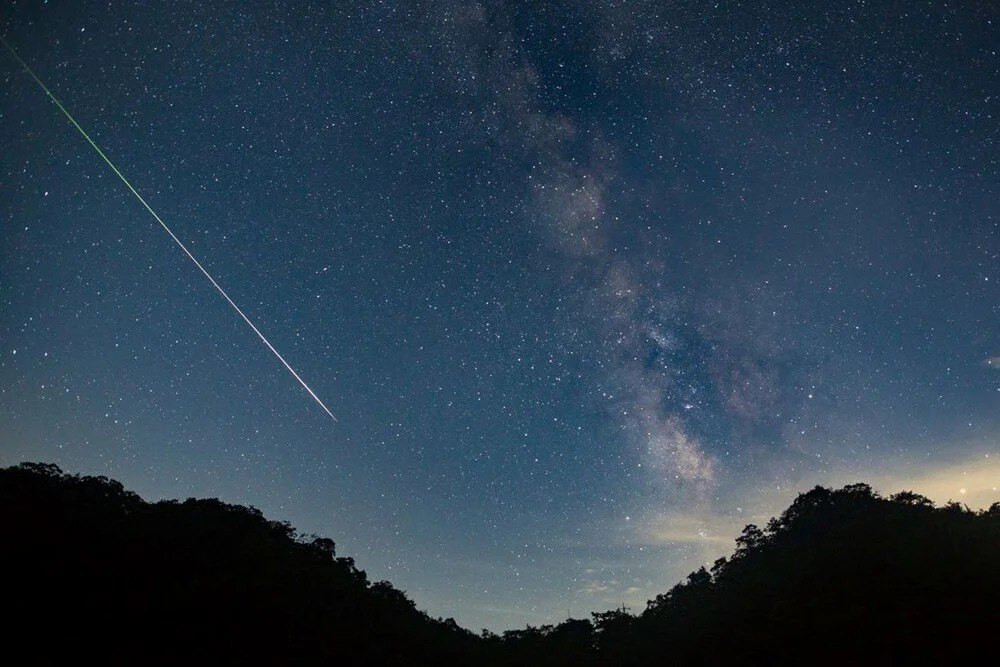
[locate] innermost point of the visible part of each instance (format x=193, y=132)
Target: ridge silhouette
x=90, y=571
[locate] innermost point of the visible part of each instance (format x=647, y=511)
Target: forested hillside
x=91, y=571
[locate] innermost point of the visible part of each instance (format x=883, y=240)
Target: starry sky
x=589, y=285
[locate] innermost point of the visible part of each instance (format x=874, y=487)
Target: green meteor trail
x=167, y=229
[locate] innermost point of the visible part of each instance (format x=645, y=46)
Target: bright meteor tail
x=187, y=252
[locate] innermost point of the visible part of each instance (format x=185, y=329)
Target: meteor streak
x=167, y=229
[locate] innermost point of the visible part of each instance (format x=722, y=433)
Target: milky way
x=591, y=284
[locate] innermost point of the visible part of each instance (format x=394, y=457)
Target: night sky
x=588, y=285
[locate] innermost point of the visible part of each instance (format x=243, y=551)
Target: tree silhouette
x=92, y=572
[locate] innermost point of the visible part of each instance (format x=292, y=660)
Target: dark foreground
x=91, y=571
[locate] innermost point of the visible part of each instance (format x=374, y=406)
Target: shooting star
x=167, y=229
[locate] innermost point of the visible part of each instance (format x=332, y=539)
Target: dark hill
x=90, y=570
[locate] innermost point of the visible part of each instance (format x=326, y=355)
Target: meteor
x=167, y=229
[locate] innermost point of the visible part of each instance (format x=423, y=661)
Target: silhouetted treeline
x=90, y=570
x=842, y=577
